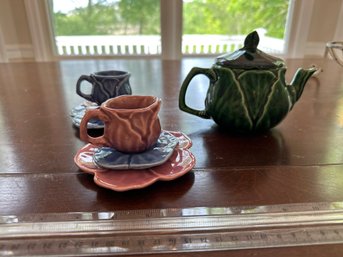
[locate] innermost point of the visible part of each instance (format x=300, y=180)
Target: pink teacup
x=131, y=123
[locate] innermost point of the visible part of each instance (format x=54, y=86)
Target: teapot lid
x=249, y=56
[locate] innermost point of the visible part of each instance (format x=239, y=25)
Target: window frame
x=3, y=54
x=300, y=12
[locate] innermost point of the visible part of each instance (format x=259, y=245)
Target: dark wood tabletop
x=299, y=161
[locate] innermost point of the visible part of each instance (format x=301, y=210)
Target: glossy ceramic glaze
x=247, y=89
x=105, y=85
x=131, y=123
x=299, y=161
x=79, y=111
x=180, y=162
x=109, y=158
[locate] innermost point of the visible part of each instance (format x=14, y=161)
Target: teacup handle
x=78, y=86
x=91, y=114
x=182, y=97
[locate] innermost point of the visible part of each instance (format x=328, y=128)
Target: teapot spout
x=297, y=85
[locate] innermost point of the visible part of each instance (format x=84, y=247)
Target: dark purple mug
x=105, y=85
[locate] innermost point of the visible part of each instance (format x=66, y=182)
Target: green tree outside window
x=132, y=17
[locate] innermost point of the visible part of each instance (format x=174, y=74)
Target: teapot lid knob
x=249, y=56
x=251, y=42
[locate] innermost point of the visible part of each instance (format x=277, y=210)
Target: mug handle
x=182, y=97
x=78, y=87
x=91, y=114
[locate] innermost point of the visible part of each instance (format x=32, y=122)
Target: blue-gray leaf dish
x=109, y=158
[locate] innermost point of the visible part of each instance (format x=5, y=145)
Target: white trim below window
x=20, y=52
x=315, y=49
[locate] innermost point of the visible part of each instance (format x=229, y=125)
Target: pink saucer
x=181, y=161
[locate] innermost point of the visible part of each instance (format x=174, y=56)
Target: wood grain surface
x=300, y=160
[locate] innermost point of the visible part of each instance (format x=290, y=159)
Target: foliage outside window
x=110, y=17
x=235, y=17
x=128, y=17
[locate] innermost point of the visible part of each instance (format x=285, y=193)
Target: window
x=296, y=43
x=132, y=27
x=106, y=27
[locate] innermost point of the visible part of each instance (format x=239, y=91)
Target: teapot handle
x=182, y=97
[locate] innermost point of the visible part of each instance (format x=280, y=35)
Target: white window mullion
x=171, y=29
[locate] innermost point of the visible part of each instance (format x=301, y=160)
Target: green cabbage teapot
x=247, y=89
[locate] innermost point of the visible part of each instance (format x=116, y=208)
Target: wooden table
x=301, y=160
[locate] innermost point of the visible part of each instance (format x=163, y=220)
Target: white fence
x=151, y=45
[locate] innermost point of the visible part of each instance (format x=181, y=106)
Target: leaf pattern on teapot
x=250, y=100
